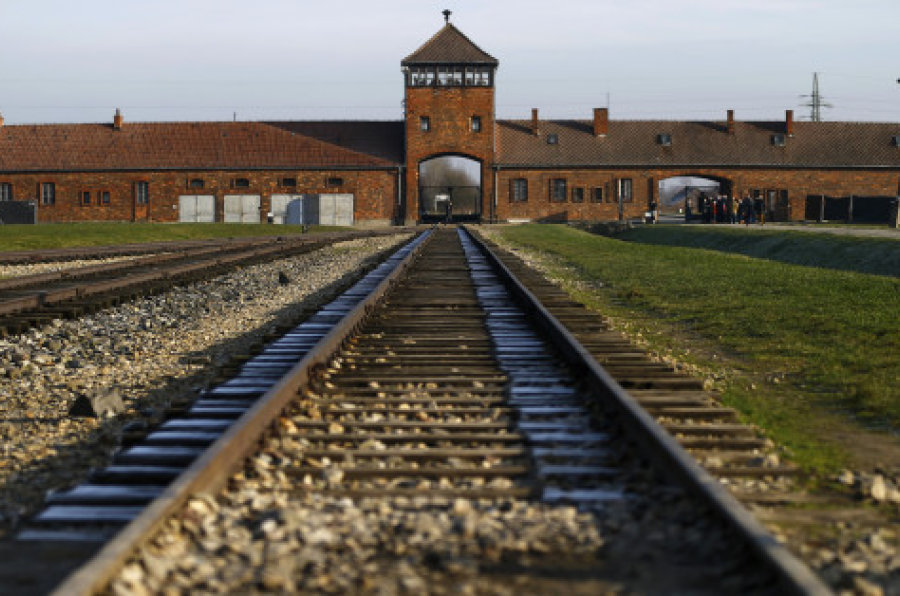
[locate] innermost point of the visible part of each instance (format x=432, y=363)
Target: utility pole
x=816, y=102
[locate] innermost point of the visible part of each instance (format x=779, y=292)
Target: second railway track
x=30, y=300
x=453, y=394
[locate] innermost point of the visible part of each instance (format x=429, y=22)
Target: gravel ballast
x=35, y=268
x=151, y=351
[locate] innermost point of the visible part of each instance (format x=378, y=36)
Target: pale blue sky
x=163, y=60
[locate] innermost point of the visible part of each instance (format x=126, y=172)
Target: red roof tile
x=627, y=143
x=449, y=46
x=161, y=146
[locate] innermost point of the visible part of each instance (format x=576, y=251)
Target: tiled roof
x=449, y=46
x=171, y=145
x=337, y=144
x=381, y=139
x=814, y=144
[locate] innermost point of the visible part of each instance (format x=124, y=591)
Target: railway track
x=459, y=386
x=31, y=300
x=731, y=451
x=80, y=253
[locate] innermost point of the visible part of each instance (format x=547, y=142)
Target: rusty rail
x=212, y=469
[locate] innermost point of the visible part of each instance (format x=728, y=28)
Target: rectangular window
x=476, y=123
x=335, y=182
x=449, y=76
x=421, y=77
x=6, y=193
x=142, y=193
x=518, y=190
x=85, y=197
x=597, y=194
x=478, y=76
x=558, y=190
x=104, y=197
x=577, y=194
x=196, y=183
x=241, y=183
x=289, y=182
x=625, y=190
x=48, y=193
x=424, y=123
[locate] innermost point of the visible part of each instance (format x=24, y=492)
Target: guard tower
x=449, y=114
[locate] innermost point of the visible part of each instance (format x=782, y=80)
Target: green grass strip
x=879, y=256
x=798, y=349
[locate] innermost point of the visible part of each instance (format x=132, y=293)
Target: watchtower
x=449, y=117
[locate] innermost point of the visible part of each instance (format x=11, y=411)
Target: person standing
x=747, y=208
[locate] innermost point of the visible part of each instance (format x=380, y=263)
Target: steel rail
x=24, y=257
x=209, y=472
x=30, y=296
x=794, y=576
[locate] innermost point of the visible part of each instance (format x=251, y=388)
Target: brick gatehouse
x=448, y=157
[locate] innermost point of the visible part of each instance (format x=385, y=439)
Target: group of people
x=724, y=209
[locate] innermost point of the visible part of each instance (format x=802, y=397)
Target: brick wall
x=797, y=183
x=450, y=111
x=375, y=192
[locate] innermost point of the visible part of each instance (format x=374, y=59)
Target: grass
x=879, y=256
x=28, y=237
x=799, y=350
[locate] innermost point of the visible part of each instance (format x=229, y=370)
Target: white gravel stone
x=35, y=268
x=152, y=351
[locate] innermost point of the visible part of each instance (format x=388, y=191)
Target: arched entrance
x=694, y=196
x=449, y=189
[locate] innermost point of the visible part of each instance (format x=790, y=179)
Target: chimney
x=117, y=120
x=601, y=122
x=789, y=122
x=729, y=125
x=535, y=130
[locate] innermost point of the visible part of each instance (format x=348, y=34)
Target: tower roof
x=449, y=46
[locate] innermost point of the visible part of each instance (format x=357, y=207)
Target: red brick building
x=449, y=156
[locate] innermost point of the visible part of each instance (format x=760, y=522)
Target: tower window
x=478, y=76
x=424, y=123
x=421, y=77
x=450, y=76
x=476, y=123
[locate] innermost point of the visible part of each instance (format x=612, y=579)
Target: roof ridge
x=444, y=32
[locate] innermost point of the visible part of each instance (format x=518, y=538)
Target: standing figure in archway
x=747, y=209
